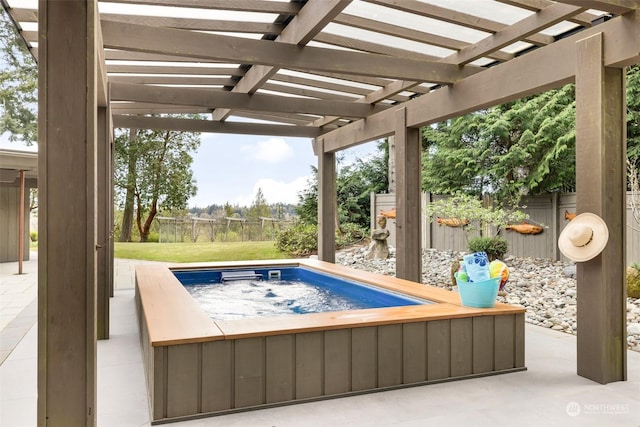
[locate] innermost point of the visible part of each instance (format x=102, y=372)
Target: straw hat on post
x=584, y=237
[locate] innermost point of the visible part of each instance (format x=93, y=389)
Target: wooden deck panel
x=217, y=381
x=309, y=350
x=414, y=355
x=280, y=368
x=250, y=364
x=390, y=352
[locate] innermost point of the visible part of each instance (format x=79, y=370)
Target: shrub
x=34, y=236
x=495, y=247
x=349, y=234
x=299, y=240
x=633, y=281
x=302, y=239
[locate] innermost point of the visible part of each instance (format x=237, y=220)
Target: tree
x=18, y=85
x=307, y=208
x=259, y=208
x=154, y=169
x=520, y=148
x=354, y=184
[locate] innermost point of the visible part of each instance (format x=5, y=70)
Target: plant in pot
x=480, y=224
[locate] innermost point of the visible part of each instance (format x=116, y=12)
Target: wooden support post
x=21, y=212
x=67, y=105
x=326, y=204
x=105, y=204
x=408, y=197
x=601, y=189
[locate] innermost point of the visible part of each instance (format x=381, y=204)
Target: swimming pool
x=197, y=367
x=226, y=294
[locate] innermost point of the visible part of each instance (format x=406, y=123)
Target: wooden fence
x=546, y=210
x=179, y=230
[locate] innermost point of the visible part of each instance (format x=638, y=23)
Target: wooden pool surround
x=196, y=367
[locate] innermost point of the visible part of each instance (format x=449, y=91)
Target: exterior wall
x=216, y=377
x=9, y=216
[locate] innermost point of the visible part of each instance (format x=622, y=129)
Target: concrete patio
x=548, y=393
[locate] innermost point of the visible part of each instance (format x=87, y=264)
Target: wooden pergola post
x=104, y=228
x=408, y=197
x=326, y=204
x=67, y=104
x=601, y=189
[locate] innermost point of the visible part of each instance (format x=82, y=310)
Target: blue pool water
x=227, y=294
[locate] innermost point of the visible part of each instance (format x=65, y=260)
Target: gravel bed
x=546, y=288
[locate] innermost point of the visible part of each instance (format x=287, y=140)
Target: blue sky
x=231, y=168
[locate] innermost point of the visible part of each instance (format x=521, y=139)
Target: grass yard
x=198, y=252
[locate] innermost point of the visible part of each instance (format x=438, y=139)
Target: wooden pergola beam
x=262, y=6
x=496, y=85
x=198, y=24
x=197, y=45
x=241, y=101
x=584, y=18
x=309, y=22
x=619, y=7
x=511, y=34
x=194, y=125
x=458, y=18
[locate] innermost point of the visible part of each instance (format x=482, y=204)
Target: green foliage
x=34, y=236
x=521, y=148
x=633, y=114
x=471, y=209
x=633, y=281
x=302, y=239
x=259, y=207
x=18, y=85
x=299, y=240
x=354, y=185
x=307, y=208
x=495, y=247
x=154, y=171
x=349, y=234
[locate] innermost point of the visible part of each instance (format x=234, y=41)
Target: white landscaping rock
x=546, y=288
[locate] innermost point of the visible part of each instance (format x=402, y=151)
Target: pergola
x=342, y=72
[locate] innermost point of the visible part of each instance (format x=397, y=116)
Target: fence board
x=546, y=210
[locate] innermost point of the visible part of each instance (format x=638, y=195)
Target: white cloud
x=273, y=150
x=275, y=191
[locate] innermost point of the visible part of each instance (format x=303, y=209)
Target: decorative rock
x=570, y=271
x=633, y=329
x=546, y=288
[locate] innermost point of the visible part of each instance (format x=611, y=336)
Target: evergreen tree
x=354, y=185
x=259, y=208
x=524, y=147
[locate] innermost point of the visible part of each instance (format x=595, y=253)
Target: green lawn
x=198, y=252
